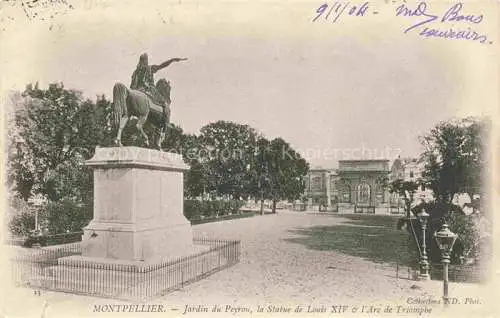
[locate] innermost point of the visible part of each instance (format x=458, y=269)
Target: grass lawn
x=372, y=237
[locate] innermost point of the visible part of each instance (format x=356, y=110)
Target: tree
x=101, y=114
x=454, y=158
x=286, y=170
x=259, y=172
x=20, y=177
x=406, y=191
x=174, y=139
x=226, y=151
x=51, y=133
x=47, y=134
x=189, y=146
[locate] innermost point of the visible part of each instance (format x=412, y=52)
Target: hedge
x=67, y=219
x=197, y=209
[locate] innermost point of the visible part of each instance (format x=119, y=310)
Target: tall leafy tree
x=455, y=158
x=51, y=132
x=287, y=170
x=55, y=131
x=189, y=146
x=20, y=173
x=174, y=139
x=46, y=130
x=227, y=152
x=197, y=178
x=258, y=168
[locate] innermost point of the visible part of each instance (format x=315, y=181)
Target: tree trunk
x=408, y=209
x=274, y=205
x=261, y=198
x=472, y=203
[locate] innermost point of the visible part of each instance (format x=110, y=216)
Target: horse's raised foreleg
x=123, y=122
x=164, y=126
x=140, y=124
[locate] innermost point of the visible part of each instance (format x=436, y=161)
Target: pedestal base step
x=130, y=266
x=132, y=280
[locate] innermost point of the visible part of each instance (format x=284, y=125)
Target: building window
x=346, y=195
x=380, y=194
x=332, y=185
x=363, y=193
x=316, y=183
x=411, y=174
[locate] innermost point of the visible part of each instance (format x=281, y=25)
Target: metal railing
x=44, y=269
x=364, y=209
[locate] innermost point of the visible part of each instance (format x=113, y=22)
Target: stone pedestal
x=138, y=206
x=139, y=244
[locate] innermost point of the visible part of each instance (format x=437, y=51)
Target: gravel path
x=272, y=271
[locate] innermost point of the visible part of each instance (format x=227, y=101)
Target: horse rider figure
x=143, y=80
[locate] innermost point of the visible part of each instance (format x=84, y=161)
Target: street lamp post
x=445, y=240
x=37, y=233
x=424, y=264
x=36, y=220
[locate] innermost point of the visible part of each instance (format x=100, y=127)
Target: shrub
x=59, y=217
x=23, y=220
x=208, y=208
x=34, y=238
x=192, y=209
x=235, y=206
x=63, y=238
x=463, y=225
x=468, y=237
x=22, y=224
x=67, y=216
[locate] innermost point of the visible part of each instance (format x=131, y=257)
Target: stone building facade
x=318, y=186
x=360, y=186
x=356, y=186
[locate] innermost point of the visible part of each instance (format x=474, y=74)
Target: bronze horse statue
x=128, y=102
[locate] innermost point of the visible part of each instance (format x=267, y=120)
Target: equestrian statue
x=148, y=102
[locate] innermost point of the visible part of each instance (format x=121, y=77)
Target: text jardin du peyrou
x=452, y=23
x=309, y=309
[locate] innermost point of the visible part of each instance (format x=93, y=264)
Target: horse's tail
x=120, y=93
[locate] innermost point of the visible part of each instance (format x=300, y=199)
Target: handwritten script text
x=453, y=23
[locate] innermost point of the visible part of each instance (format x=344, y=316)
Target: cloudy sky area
x=331, y=90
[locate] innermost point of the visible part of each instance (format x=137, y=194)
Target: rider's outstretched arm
x=156, y=68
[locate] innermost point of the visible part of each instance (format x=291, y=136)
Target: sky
x=359, y=89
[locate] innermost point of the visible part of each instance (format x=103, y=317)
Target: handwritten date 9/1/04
x=334, y=11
